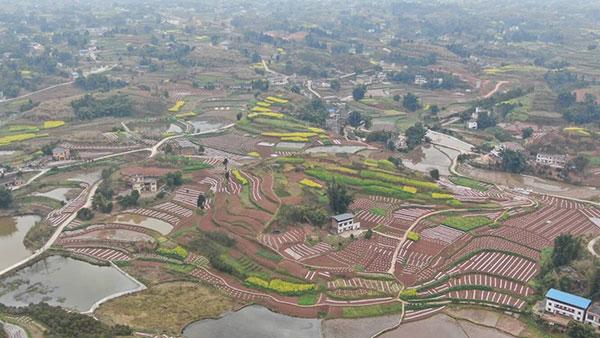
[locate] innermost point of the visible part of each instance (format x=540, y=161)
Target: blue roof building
x=566, y=304
x=568, y=299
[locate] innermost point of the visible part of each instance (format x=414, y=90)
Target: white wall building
x=566, y=304
x=592, y=316
x=343, y=222
x=551, y=160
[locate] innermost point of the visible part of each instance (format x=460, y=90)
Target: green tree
x=85, y=214
x=130, y=200
x=368, y=123
x=566, y=249
x=355, y=118
x=565, y=100
x=358, y=93
x=527, y=132
x=201, y=201
x=6, y=198
x=339, y=198
x=579, y=163
x=434, y=109
x=414, y=135
x=411, y=102
x=173, y=179
x=335, y=85
x=580, y=330
x=485, y=120
x=315, y=111
x=369, y=234
x=89, y=107
x=435, y=174
x=513, y=161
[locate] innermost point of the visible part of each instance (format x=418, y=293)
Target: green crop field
x=467, y=223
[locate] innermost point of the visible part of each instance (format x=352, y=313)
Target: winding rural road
x=591, y=246
x=310, y=88
x=496, y=89
x=57, y=232
x=96, y=71
x=37, y=92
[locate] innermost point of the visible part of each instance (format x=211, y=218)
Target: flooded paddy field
x=428, y=157
x=145, y=222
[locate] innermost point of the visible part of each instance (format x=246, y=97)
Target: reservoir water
x=255, y=321
x=12, y=233
x=62, y=281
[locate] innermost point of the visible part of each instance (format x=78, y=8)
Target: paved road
x=310, y=88
x=60, y=228
x=96, y=71
x=37, y=92
x=591, y=246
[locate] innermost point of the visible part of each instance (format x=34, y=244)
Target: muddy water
x=12, y=233
x=145, y=222
x=66, y=282
x=59, y=194
x=202, y=126
x=254, y=321
x=428, y=157
x=173, y=128
x=536, y=184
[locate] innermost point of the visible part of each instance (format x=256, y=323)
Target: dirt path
x=497, y=88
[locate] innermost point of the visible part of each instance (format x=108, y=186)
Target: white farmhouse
x=343, y=222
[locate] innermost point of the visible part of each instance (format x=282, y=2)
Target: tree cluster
x=299, y=214
x=587, y=111
x=415, y=135
x=315, y=112
x=339, y=198
x=513, y=161
x=102, y=199
x=411, y=102
x=130, y=200
x=173, y=179
x=89, y=107
x=6, y=198
x=61, y=323
x=98, y=82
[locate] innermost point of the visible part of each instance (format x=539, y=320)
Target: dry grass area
x=166, y=307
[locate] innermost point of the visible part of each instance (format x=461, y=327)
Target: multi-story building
x=551, y=160
x=61, y=154
x=343, y=222
x=566, y=304
x=592, y=315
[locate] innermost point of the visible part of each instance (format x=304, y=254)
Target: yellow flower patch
x=311, y=183
x=178, y=105
x=53, y=124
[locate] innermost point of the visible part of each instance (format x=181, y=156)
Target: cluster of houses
x=421, y=80
x=557, y=162
x=560, y=307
